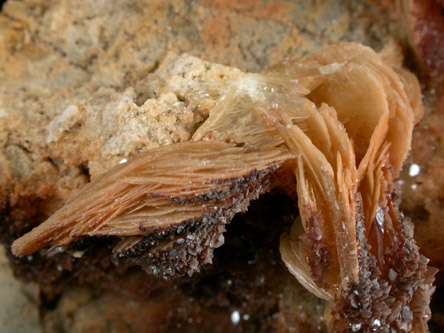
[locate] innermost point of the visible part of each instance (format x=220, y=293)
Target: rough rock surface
x=76, y=75
x=73, y=83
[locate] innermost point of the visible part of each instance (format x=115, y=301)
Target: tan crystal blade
x=147, y=193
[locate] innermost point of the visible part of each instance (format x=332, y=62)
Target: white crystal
x=380, y=217
x=414, y=170
x=235, y=317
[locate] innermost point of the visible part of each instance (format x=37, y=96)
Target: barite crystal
x=334, y=127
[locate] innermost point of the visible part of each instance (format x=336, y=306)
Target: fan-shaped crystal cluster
x=334, y=127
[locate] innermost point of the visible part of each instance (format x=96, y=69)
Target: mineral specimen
x=337, y=123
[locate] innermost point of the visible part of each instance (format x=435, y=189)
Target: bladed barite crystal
x=339, y=121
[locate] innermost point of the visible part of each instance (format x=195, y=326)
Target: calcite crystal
x=334, y=127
